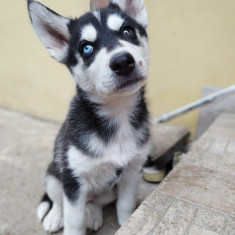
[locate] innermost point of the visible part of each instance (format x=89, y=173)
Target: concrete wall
x=192, y=45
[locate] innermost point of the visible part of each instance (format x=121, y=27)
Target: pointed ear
x=51, y=28
x=98, y=4
x=134, y=8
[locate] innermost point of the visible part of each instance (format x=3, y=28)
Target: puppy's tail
x=44, y=207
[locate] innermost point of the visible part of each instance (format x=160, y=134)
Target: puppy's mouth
x=128, y=83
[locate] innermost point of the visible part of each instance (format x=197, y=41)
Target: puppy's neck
x=118, y=108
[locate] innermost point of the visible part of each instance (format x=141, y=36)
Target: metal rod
x=185, y=109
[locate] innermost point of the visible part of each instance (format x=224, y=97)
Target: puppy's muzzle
x=122, y=64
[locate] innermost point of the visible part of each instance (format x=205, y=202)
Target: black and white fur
x=103, y=142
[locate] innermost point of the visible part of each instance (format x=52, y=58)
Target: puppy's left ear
x=134, y=8
x=98, y=4
x=52, y=30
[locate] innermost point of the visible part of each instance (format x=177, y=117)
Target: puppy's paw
x=123, y=217
x=53, y=222
x=94, y=216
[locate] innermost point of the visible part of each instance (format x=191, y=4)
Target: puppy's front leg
x=127, y=195
x=75, y=212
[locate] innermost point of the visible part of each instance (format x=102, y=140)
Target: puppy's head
x=106, y=49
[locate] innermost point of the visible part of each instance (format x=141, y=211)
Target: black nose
x=122, y=64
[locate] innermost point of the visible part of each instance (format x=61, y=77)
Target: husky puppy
x=103, y=142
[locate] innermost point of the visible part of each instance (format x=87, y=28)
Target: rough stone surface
x=26, y=146
x=209, y=219
x=200, y=185
x=176, y=219
x=200, y=190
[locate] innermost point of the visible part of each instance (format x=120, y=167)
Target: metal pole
x=185, y=109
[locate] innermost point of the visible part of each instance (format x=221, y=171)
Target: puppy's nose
x=122, y=64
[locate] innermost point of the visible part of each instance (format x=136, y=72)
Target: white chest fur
x=120, y=153
x=122, y=150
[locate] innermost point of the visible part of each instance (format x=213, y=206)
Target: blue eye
x=88, y=49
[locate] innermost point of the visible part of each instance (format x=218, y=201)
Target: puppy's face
x=106, y=50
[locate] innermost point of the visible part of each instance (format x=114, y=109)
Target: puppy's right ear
x=51, y=28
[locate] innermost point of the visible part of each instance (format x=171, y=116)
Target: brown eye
x=128, y=32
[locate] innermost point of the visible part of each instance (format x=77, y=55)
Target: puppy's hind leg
x=94, y=216
x=94, y=209
x=53, y=221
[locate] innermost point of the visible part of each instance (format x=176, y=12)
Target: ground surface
x=26, y=146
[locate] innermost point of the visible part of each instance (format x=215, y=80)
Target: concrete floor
x=26, y=145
